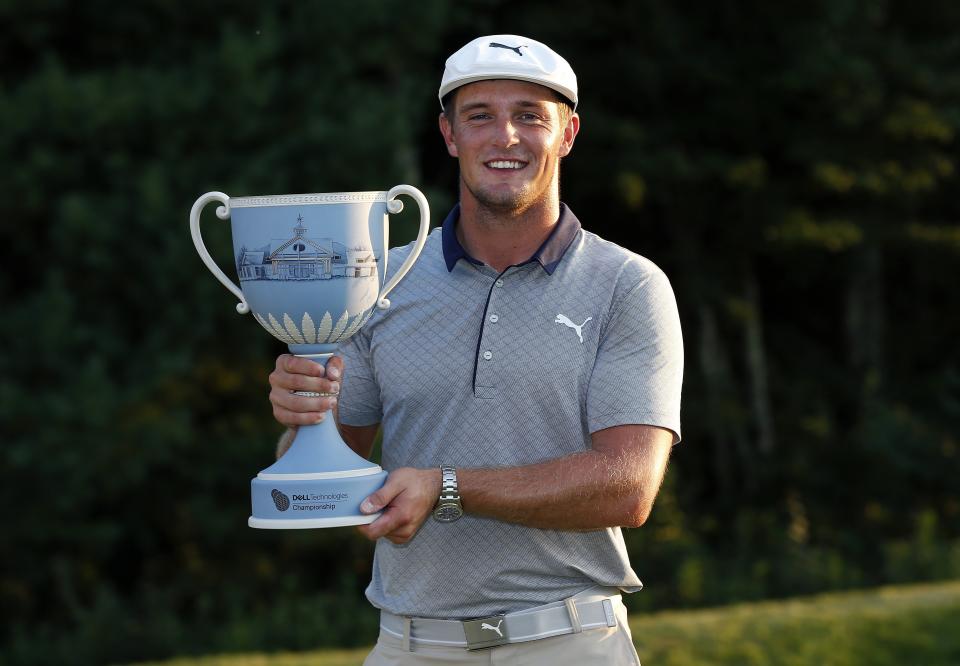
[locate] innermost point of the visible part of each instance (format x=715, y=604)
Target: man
x=538, y=364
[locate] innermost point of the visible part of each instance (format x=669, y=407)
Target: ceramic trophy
x=311, y=269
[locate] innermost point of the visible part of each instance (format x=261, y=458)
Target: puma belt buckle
x=486, y=632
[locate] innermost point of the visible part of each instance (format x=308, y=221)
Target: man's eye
x=478, y=116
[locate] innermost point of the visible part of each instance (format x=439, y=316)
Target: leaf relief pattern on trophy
x=340, y=327
x=357, y=323
x=263, y=322
x=293, y=330
x=326, y=325
x=307, y=333
x=366, y=318
x=309, y=330
x=351, y=328
x=278, y=331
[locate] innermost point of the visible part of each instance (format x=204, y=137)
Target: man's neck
x=505, y=238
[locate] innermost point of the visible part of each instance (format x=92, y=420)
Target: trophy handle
x=394, y=205
x=223, y=212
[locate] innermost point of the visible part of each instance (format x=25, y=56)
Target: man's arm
x=612, y=484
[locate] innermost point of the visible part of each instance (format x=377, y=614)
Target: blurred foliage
x=791, y=166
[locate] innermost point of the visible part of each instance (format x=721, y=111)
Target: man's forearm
x=604, y=487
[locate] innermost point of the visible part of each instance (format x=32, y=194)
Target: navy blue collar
x=547, y=255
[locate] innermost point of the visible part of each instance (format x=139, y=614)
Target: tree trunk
x=864, y=321
x=756, y=354
x=722, y=416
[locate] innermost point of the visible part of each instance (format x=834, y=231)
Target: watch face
x=447, y=513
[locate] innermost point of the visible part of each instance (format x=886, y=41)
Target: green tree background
x=792, y=167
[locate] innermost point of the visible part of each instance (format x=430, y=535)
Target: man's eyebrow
x=473, y=106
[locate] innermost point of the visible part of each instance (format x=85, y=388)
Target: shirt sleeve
x=638, y=373
x=359, y=402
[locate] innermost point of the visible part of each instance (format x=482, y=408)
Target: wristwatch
x=448, y=507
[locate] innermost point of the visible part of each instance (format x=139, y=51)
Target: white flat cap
x=509, y=57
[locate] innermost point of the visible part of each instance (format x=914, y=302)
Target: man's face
x=509, y=137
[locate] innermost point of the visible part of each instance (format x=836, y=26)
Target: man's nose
x=506, y=134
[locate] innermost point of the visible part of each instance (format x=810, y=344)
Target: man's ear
x=446, y=129
x=570, y=134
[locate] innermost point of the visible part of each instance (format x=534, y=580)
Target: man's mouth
x=505, y=164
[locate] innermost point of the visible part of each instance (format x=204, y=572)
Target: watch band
x=449, y=507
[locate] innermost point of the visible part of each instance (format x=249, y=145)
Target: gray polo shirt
x=480, y=369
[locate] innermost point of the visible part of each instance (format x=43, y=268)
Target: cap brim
x=450, y=86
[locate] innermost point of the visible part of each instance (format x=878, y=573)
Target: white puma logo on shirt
x=493, y=628
x=565, y=320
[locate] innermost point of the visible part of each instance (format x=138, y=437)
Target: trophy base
x=305, y=501
x=318, y=482
x=310, y=523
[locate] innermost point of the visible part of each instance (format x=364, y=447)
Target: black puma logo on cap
x=516, y=49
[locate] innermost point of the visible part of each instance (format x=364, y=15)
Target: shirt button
x=494, y=318
x=499, y=283
x=487, y=355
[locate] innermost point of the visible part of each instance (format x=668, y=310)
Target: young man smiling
x=527, y=379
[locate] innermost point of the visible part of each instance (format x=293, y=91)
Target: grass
x=313, y=658
x=916, y=625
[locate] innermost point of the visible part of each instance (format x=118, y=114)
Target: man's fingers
x=381, y=498
x=281, y=397
x=291, y=418
x=293, y=373
x=395, y=530
x=335, y=368
x=298, y=365
x=405, y=499
x=382, y=526
x=400, y=536
x=306, y=383
x=389, y=526
x=394, y=517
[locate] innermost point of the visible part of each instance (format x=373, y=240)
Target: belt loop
x=406, y=635
x=608, y=613
x=574, y=615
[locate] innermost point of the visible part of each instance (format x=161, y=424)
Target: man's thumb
x=374, y=502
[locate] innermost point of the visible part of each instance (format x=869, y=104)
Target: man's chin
x=504, y=201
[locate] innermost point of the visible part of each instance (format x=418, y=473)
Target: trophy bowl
x=311, y=269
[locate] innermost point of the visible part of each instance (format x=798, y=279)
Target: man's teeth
x=505, y=164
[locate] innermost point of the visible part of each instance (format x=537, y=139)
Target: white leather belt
x=588, y=610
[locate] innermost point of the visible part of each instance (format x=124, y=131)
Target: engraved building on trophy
x=304, y=258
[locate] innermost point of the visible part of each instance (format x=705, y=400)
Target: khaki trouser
x=606, y=646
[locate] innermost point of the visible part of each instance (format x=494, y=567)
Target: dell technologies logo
x=281, y=500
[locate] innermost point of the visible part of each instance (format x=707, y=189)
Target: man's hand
x=407, y=499
x=294, y=373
